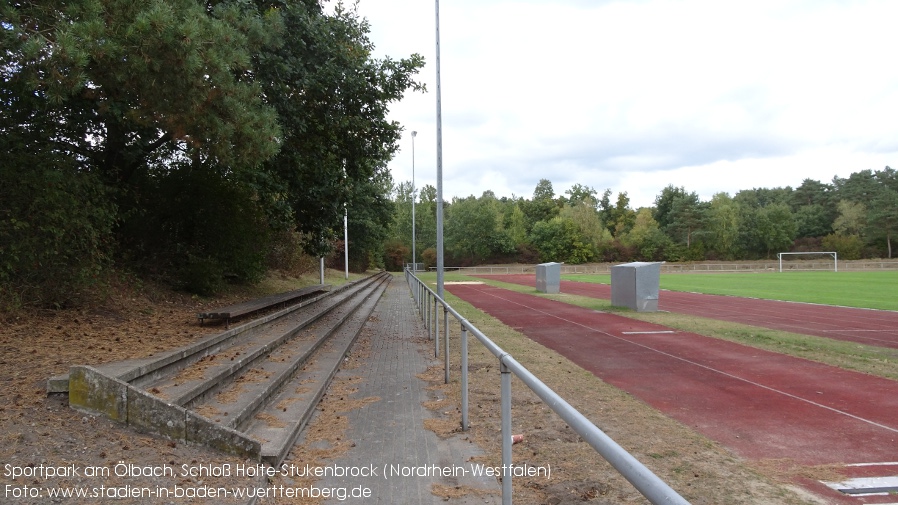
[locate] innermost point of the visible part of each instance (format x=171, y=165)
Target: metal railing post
x=436, y=330
x=446, y=344
x=506, y=432
x=464, y=378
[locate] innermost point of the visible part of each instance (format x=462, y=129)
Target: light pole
x=439, y=162
x=414, y=197
x=345, y=229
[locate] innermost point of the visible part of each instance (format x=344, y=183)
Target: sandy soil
x=40, y=436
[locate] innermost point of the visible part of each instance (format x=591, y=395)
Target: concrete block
x=58, y=384
x=205, y=432
x=91, y=390
x=548, y=277
x=151, y=414
x=636, y=286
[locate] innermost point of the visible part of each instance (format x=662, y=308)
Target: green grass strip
x=873, y=290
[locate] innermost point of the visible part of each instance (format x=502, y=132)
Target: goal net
x=813, y=260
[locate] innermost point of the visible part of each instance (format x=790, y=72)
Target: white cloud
x=708, y=95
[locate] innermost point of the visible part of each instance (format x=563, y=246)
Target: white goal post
x=834, y=255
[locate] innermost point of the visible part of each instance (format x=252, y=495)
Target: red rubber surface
x=760, y=404
x=871, y=327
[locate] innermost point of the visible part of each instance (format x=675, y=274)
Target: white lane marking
x=727, y=374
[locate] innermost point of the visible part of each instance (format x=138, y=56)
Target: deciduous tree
x=723, y=225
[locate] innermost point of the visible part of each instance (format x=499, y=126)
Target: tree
x=589, y=226
x=621, y=217
x=685, y=217
x=558, y=239
x=858, y=187
x=426, y=217
x=542, y=207
x=581, y=194
x=123, y=83
x=852, y=218
x=55, y=224
x=474, y=231
x=887, y=177
x=368, y=220
x=543, y=190
x=775, y=227
x=112, y=97
x=723, y=225
x=813, y=221
x=882, y=217
x=516, y=225
x=812, y=204
x=762, y=197
x=664, y=204
x=332, y=98
x=646, y=236
x=275, y=104
x=812, y=192
x=401, y=226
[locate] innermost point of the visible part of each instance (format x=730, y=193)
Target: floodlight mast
x=414, y=197
x=439, y=162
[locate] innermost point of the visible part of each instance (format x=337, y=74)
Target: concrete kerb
x=92, y=391
x=203, y=431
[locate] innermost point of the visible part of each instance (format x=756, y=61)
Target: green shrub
x=395, y=255
x=202, y=276
x=55, y=232
x=849, y=247
x=198, y=222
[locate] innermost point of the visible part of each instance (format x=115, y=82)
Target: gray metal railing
x=427, y=302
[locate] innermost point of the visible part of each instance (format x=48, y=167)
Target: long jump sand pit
x=763, y=405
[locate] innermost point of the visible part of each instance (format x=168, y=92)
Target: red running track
x=865, y=326
x=760, y=404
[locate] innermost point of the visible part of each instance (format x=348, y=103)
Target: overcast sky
x=635, y=95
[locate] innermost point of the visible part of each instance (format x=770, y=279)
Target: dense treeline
x=200, y=141
x=856, y=217
x=193, y=140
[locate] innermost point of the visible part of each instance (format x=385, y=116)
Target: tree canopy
x=182, y=137
x=856, y=216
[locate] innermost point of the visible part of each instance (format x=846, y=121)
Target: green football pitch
x=874, y=290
